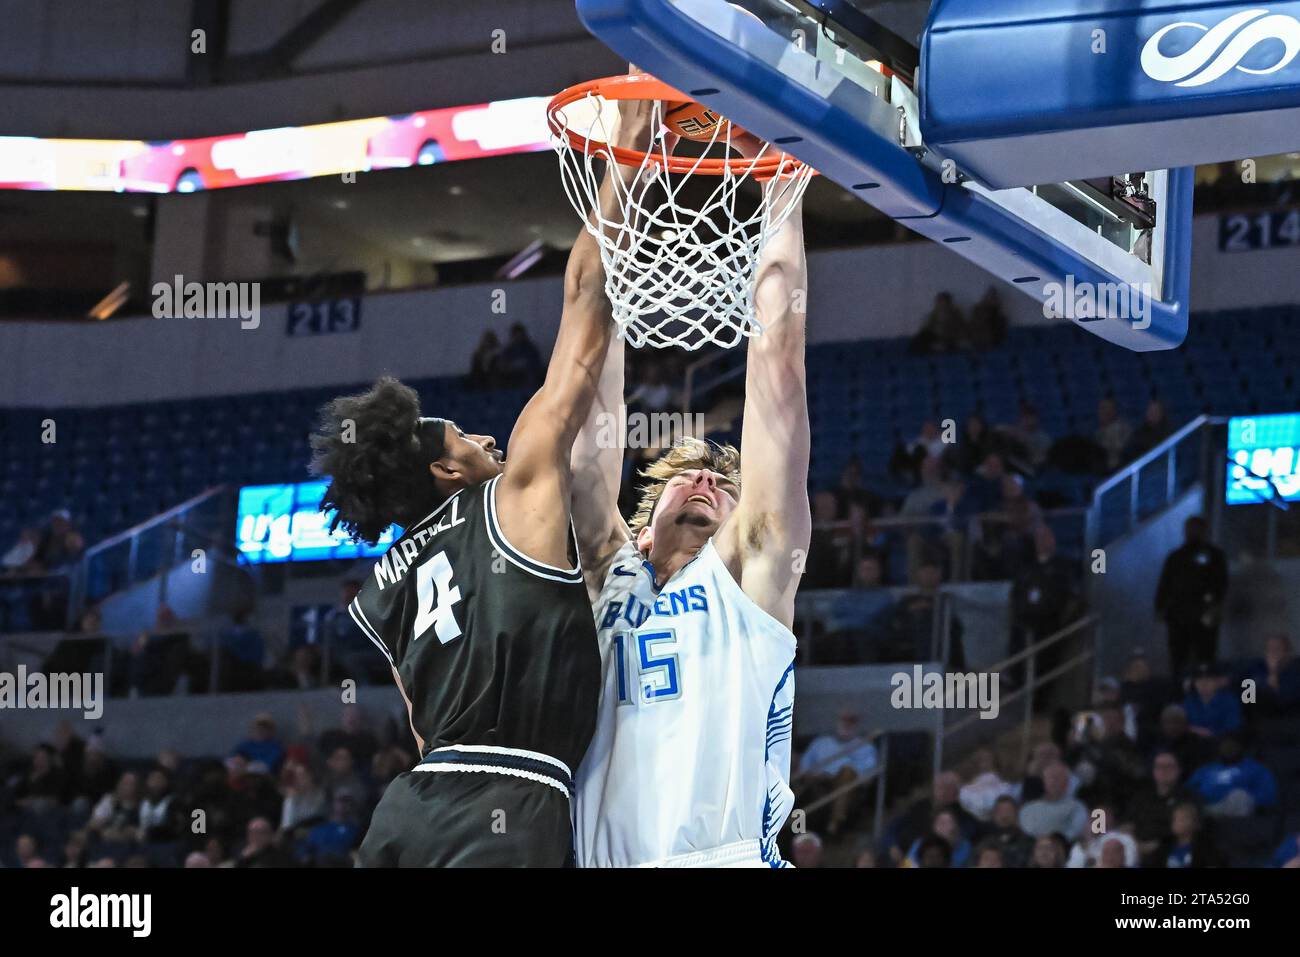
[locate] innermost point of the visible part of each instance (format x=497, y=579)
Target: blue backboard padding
x=849, y=136
x=1022, y=92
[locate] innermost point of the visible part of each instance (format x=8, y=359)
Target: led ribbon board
x=1265, y=459
x=282, y=523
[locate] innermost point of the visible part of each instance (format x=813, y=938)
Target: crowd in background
x=271, y=801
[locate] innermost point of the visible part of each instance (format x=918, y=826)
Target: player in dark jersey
x=480, y=605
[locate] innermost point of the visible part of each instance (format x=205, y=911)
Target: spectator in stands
x=242, y=654
x=261, y=749
x=1150, y=809
x=1155, y=428
x=1044, y=599
x=160, y=658
x=1235, y=785
x=851, y=494
x=76, y=849
x=986, y=786
x=304, y=798
x=352, y=734
x=915, y=822
x=1043, y=756
x=944, y=329
x=1092, y=846
x=988, y=322
x=483, y=364
x=41, y=789
x=341, y=774
x=95, y=778
x=1028, y=442
x=159, y=819
x=1049, y=851
x=909, y=628
x=834, y=762
x=20, y=559
x=350, y=650
x=117, y=815
x=1104, y=757
x=857, y=621
x=259, y=848
x=1055, y=812
x=62, y=543
x=331, y=843
x=830, y=550
x=1211, y=706
x=945, y=827
x=1277, y=678
x=988, y=855
x=26, y=850
x=197, y=859
x=1188, y=845
x=520, y=364
x=1017, y=847
x=932, y=851
x=1176, y=736
x=972, y=448
x=1189, y=598
x=1143, y=696
x=932, y=491
x=984, y=492
x=1113, y=433
x=866, y=859
x=807, y=851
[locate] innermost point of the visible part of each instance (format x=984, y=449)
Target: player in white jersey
x=694, y=605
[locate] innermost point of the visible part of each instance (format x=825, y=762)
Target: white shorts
x=740, y=854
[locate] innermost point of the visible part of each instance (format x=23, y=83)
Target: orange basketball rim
x=642, y=86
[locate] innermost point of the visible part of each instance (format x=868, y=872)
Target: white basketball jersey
x=692, y=744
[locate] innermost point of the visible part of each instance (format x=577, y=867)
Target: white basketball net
x=675, y=274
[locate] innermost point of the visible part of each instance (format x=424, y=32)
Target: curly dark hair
x=368, y=447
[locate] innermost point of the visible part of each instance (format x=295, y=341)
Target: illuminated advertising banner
x=264, y=156
x=1265, y=459
x=282, y=523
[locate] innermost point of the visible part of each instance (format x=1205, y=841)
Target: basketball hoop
x=675, y=274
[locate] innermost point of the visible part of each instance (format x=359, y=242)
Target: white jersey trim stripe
x=492, y=769
x=516, y=557
x=359, y=617
x=514, y=752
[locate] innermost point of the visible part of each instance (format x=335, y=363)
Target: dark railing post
x=882, y=783
x=1030, y=678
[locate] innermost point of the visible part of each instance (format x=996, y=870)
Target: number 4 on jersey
x=435, y=597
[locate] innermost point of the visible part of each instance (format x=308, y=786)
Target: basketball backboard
x=1027, y=135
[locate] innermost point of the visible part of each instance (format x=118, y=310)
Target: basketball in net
x=680, y=261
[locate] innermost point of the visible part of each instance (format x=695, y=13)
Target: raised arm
x=597, y=463
x=769, y=532
x=535, y=492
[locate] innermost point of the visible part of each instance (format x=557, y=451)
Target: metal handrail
x=1032, y=683
x=153, y=522
x=171, y=516
x=1128, y=470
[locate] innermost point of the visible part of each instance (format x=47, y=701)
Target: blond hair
x=688, y=454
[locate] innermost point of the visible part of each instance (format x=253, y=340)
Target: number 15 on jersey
x=644, y=675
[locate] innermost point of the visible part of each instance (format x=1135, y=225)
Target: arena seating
x=118, y=465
